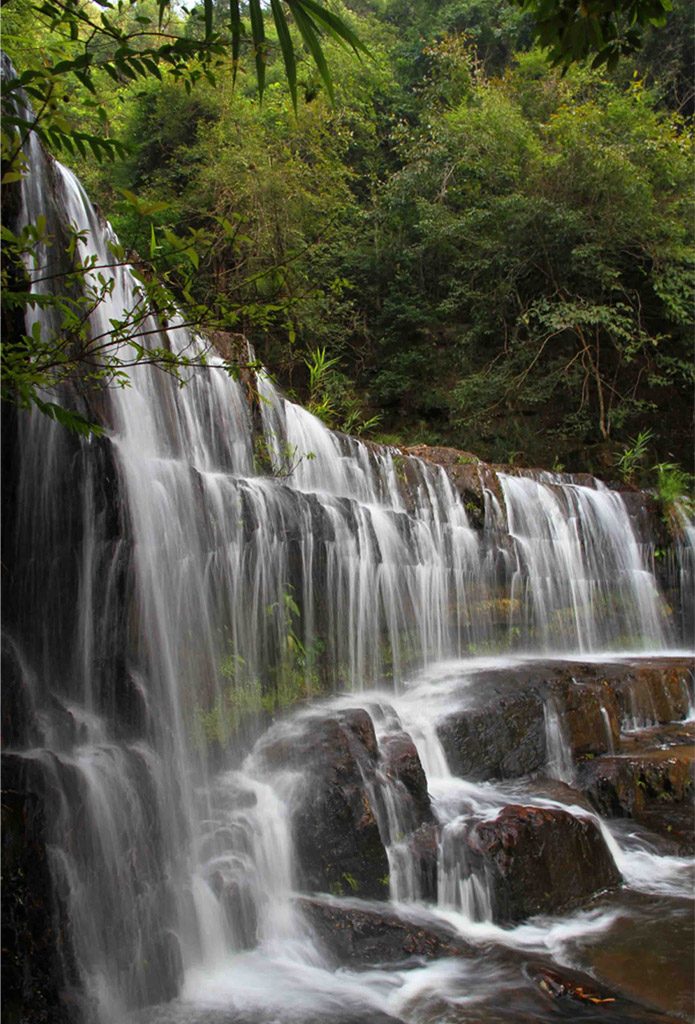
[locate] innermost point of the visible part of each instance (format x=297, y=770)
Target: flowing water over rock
x=174, y=589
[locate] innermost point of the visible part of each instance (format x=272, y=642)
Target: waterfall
x=165, y=599
x=580, y=574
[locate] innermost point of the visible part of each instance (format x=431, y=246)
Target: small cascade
x=461, y=886
x=559, y=751
x=610, y=744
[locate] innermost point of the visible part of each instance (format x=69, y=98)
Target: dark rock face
x=502, y=737
x=39, y=972
x=500, y=732
x=20, y=726
x=401, y=761
x=467, y=473
x=337, y=840
x=41, y=796
x=359, y=936
x=540, y=861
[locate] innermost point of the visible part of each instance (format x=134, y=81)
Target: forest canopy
x=452, y=240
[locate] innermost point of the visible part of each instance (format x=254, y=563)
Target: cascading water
x=580, y=576
x=165, y=599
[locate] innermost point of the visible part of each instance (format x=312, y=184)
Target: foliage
x=120, y=42
x=674, y=488
x=290, y=676
x=532, y=284
x=499, y=263
x=276, y=457
x=574, y=31
x=634, y=454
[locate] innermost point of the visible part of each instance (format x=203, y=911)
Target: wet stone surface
x=499, y=732
x=654, y=786
x=335, y=830
x=500, y=736
x=540, y=861
x=359, y=935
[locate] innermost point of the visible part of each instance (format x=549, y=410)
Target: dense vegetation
x=468, y=247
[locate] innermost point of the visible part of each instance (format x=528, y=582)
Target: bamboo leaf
x=334, y=25
x=308, y=32
x=287, y=49
x=235, y=22
x=258, y=33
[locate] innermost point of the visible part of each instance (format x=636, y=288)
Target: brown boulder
x=655, y=787
x=540, y=861
x=655, y=692
x=590, y=714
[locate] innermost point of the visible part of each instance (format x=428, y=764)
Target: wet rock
x=337, y=841
x=655, y=787
x=500, y=729
x=654, y=692
x=165, y=968
x=575, y=996
x=590, y=714
x=540, y=861
x=241, y=910
x=20, y=725
x=467, y=473
x=550, y=789
x=357, y=935
x=360, y=724
x=500, y=737
x=39, y=971
x=401, y=761
x=648, y=953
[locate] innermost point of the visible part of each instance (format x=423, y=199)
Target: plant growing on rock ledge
x=674, y=489
x=634, y=454
x=275, y=456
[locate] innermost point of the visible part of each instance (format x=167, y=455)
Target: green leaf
x=335, y=26
x=287, y=49
x=258, y=33
x=309, y=35
x=235, y=23
x=73, y=421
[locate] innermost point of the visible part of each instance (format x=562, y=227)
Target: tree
x=93, y=44
x=122, y=42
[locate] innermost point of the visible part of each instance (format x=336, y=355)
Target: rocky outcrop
x=653, y=784
x=540, y=861
x=499, y=734
x=590, y=713
x=499, y=731
x=424, y=846
x=336, y=833
x=39, y=972
x=400, y=761
x=357, y=935
x=655, y=692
